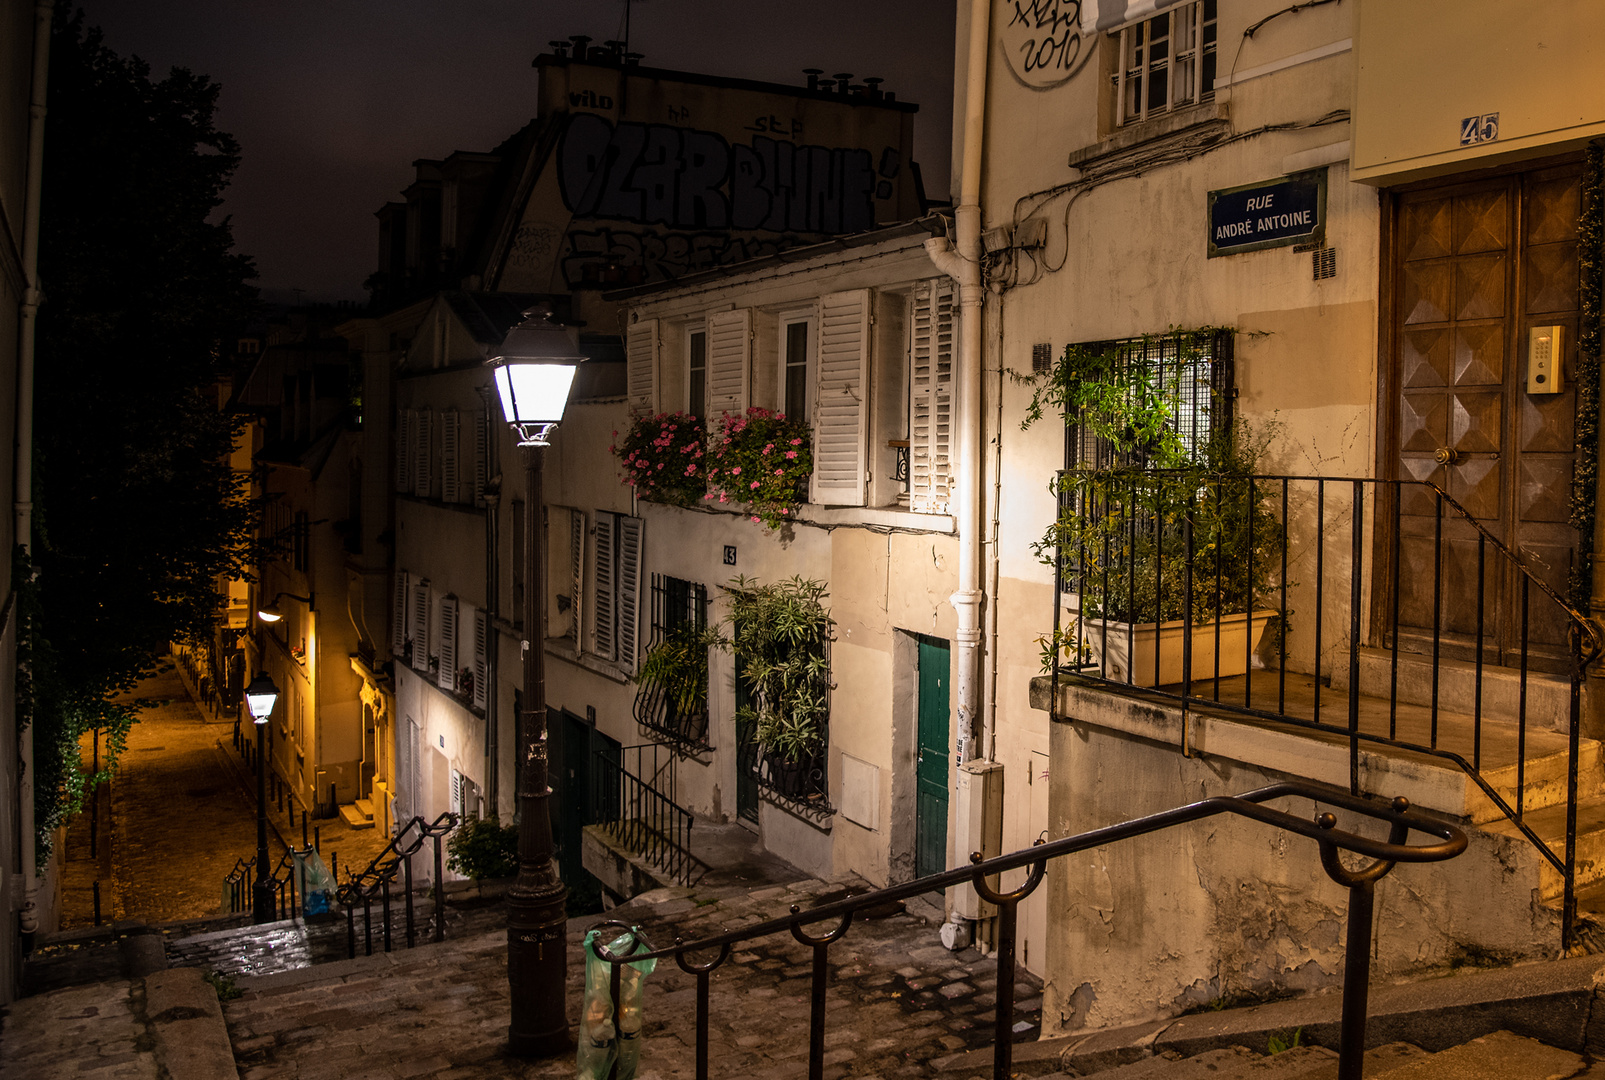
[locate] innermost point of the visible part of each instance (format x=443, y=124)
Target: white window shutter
x=398, y=616
x=576, y=555
x=481, y=657
x=407, y=775
x=930, y=399
x=641, y=367
x=481, y=456
x=602, y=620
x=446, y=677
x=456, y=792
x=403, y=433
x=422, y=430
x=629, y=589
x=729, y=360
x=420, y=624
x=840, y=428
x=450, y=456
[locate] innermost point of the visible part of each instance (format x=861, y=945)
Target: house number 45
x=1479, y=129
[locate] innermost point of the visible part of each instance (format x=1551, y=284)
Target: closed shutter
x=641, y=367
x=403, y=433
x=398, y=616
x=629, y=589
x=446, y=677
x=729, y=355
x=422, y=431
x=602, y=620
x=481, y=456
x=840, y=430
x=481, y=657
x=407, y=774
x=450, y=456
x=420, y=624
x=576, y=555
x=930, y=398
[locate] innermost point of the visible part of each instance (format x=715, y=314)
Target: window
x=696, y=366
x=1192, y=369
x=930, y=397
x=673, y=699
x=1165, y=63
x=796, y=358
x=615, y=587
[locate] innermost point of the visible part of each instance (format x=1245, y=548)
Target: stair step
x=1550, y=824
x=364, y=807
x=355, y=818
x=1502, y=1055
x=1548, y=706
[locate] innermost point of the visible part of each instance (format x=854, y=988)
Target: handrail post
x=1356, y=980
x=440, y=894
x=412, y=932
x=1003, y=1023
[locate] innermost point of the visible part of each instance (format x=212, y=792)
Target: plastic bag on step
x=314, y=883
x=600, y=1042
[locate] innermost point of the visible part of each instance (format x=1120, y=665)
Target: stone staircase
x=1500, y=1056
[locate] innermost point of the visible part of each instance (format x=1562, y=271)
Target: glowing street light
x=260, y=697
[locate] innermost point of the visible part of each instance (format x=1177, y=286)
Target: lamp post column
x=262, y=889
x=537, y=933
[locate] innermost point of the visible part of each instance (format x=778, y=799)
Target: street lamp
x=534, y=370
x=272, y=614
x=260, y=697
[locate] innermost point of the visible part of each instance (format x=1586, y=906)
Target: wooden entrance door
x=1475, y=266
x=931, y=771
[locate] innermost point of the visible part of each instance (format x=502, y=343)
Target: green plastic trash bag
x=600, y=1044
x=313, y=882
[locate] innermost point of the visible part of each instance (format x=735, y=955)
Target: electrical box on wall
x=1545, y=351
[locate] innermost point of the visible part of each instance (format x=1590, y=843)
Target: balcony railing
x=1381, y=611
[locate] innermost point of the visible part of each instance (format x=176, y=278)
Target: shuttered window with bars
x=840, y=418
x=450, y=456
x=930, y=397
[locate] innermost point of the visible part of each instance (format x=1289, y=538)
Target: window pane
x=795, y=402
x=697, y=374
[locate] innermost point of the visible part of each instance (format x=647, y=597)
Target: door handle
x=1447, y=455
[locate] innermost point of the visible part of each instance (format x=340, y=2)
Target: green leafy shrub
x=781, y=637
x=483, y=848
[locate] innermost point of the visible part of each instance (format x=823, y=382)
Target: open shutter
x=481, y=657
x=729, y=360
x=407, y=774
x=422, y=429
x=930, y=398
x=446, y=676
x=450, y=456
x=840, y=431
x=420, y=624
x=576, y=555
x=641, y=367
x=398, y=616
x=481, y=456
x=403, y=433
x=629, y=589
x=602, y=598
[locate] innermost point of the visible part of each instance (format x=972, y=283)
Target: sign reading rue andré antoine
x=1270, y=213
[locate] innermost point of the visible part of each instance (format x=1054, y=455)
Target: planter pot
x=1131, y=648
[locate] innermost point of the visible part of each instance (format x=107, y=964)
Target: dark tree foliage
x=136, y=509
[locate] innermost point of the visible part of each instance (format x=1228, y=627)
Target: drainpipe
x=978, y=804
x=22, y=484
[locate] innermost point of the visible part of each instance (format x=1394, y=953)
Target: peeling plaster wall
x=1153, y=926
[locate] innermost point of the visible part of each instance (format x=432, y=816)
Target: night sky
x=333, y=101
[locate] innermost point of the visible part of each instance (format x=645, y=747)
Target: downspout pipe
x=22, y=483
x=962, y=262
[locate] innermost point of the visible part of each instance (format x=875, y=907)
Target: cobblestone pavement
x=179, y=812
x=899, y=1005
x=93, y=1030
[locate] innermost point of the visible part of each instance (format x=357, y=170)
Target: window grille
x=676, y=710
x=1165, y=63
x=1194, y=370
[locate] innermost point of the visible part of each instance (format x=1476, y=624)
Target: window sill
x=879, y=517
x=1201, y=125
x=562, y=650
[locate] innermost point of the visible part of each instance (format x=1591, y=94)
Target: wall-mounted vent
x=1041, y=356
x=1323, y=263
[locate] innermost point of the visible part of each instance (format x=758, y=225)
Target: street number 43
x=1479, y=129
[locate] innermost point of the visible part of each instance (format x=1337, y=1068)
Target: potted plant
x=674, y=678
x=1127, y=532
x=761, y=459
x=663, y=457
x=781, y=633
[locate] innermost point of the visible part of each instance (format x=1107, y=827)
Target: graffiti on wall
x=655, y=174
x=618, y=257
x=1042, y=40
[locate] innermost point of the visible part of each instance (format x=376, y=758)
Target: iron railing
x=634, y=796
x=373, y=882
x=1330, y=840
x=238, y=882
x=1271, y=571
x=675, y=709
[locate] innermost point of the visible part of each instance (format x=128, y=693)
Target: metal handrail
x=373, y=882
x=641, y=817
x=1322, y=828
x=1585, y=643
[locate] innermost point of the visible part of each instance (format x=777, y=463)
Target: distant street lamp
x=272, y=614
x=534, y=371
x=260, y=697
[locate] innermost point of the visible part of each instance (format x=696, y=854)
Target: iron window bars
x=675, y=710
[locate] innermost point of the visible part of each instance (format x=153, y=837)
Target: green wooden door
x=931, y=773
